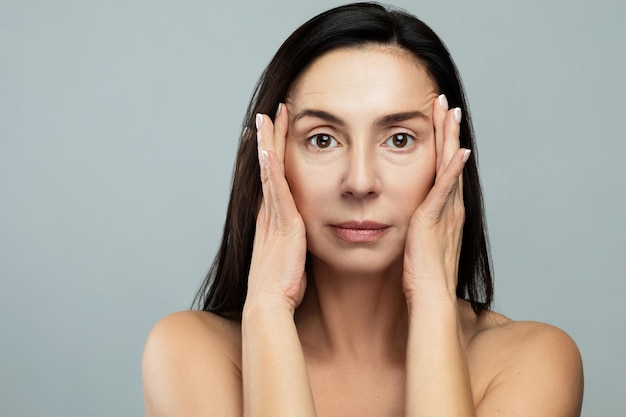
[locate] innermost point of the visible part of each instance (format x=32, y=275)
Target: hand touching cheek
x=279, y=252
x=434, y=239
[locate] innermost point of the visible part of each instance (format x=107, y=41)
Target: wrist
x=430, y=295
x=432, y=308
x=266, y=305
x=439, y=319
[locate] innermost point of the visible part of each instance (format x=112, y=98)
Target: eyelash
x=409, y=140
x=313, y=141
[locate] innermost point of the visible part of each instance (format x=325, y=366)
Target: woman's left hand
x=433, y=242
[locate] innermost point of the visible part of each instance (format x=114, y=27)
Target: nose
x=361, y=177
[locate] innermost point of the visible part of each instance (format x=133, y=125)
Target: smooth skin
x=376, y=328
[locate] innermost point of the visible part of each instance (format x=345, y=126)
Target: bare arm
x=274, y=372
x=438, y=382
x=542, y=375
x=191, y=365
x=275, y=379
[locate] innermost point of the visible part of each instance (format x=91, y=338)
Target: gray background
x=118, y=126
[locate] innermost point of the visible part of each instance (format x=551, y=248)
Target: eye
x=323, y=141
x=399, y=141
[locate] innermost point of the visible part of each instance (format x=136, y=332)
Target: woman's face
x=360, y=154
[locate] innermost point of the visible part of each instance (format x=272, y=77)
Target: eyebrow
x=319, y=114
x=382, y=121
x=401, y=117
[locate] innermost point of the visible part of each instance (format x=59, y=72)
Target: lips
x=355, y=232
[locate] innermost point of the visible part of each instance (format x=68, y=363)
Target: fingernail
x=457, y=115
x=443, y=101
x=280, y=106
x=266, y=158
x=466, y=155
x=259, y=120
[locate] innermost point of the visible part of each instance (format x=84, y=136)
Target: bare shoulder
x=527, y=368
x=192, y=366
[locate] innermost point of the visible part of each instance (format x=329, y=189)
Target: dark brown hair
x=224, y=289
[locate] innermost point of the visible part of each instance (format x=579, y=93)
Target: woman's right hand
x=278, y=257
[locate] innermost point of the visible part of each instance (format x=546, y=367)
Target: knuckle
x=426, y=214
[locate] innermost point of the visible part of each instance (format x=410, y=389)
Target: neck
x=359, y=316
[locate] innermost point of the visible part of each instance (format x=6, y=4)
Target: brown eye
x=322, y=141
x=399, y=140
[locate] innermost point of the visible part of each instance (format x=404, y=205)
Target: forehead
x=370, y=77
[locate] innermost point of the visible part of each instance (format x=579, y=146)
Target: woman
x=353, y=277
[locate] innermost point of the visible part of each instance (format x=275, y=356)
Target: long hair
x=223, y=291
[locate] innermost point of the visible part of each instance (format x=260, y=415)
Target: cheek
x=424, y=181
x=420, y=180
x=404, y=187
x=309, y=186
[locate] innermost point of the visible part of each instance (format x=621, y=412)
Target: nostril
x=361, y=174
x=361, y=186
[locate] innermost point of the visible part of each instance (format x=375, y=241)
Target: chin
x=358, y=262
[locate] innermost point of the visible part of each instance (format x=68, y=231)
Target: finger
x=452, y=128
x=261, y=219
x=466, y=155
x=439, y=114
x=454, y=145
x=459, y=202
x=281, y=123
x=283, y=206
x=263, y=157
x=265, y=132
x=446, y=185
x=277, y=196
